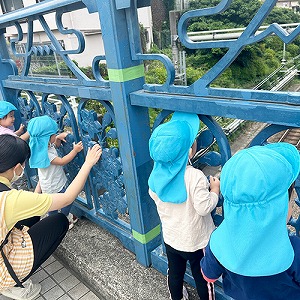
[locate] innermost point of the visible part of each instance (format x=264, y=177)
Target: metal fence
x=116, y=194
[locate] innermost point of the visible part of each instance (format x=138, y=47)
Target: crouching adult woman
x=27, y=241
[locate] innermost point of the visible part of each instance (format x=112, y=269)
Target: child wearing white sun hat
x=251, y=249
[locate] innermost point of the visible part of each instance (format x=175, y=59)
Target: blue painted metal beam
x=121, y=4
x=269, y=112
x=127, y=75
x=74, y=89
x=122, y=234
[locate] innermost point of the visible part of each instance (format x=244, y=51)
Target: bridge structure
x=115, y=196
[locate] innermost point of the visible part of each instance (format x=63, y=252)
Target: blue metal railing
x=116, y=194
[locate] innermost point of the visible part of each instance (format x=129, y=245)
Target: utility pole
x=181, y=4
x=174, y=16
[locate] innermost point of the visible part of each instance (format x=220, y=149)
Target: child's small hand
x=20, y=130
x=78, y=147
x=93, y=155
x=214, y=184
x=62, y=136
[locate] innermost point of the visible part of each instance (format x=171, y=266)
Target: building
x=81, y=20
x=181, y=4
x=294, y=5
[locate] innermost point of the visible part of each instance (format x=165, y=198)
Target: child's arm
x=62, y=161
x=60, y=200
x=20, y=130
x=25, y=136
x=38, y=188
x=211, y=269
x=204, y=200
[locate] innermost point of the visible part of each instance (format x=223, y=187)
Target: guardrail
x=230, y=33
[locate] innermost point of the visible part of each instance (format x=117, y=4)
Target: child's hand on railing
x=214, y=184
x=78, y=147
x=20, y=130
x=62, y=137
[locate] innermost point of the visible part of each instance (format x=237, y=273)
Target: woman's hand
x=63, y=199
x=93, y=155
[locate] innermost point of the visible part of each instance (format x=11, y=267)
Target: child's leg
x=66, y=210
x=177, y=267
x=205, y=291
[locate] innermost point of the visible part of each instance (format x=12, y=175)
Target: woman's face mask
x=16, y=177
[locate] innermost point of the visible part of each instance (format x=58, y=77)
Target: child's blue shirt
x=285, y=285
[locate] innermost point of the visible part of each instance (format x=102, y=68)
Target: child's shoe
x=185, y=293
x=72, y=220
x=29, y=292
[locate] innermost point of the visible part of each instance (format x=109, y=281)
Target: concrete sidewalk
x=106, y=267
x=59, y=283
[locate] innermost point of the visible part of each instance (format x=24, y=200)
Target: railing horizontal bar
x=83, y=91
x=267, y=111
x=120, y=232
x=263, y=96
x=241, y=29
x=40, y=8
x=59, y=80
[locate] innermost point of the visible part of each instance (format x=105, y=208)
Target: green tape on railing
x=122, y=75
x=149, y=236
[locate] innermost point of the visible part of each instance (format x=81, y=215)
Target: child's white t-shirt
x=53, y=178
x=187, y=226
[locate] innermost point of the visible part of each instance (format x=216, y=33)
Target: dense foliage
x=253, y=64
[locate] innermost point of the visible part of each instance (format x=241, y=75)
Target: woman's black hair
x=13, y=150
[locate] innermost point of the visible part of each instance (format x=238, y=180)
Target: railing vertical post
x=7, y=67
x=127, y=75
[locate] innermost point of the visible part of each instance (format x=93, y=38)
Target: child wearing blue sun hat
x=183, y=199
x=43, y=143
x=251, y=249
x=7, y=120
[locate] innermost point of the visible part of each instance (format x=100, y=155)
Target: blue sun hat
x=169, y=146
x=253, y=239
x=5, y=108
x=40, y=130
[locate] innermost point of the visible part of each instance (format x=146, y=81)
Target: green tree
x=238, y=14
x=282, y=16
